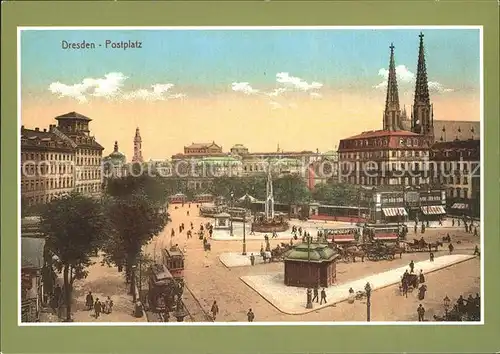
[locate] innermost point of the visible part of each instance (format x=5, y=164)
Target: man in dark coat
x=421, y=313
x=315, y=294
x=250, y=315
x=412, y=266
x=323, y=296
x=89, y=301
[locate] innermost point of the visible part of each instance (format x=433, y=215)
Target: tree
x=336, y=194
x=135, y=219
x=154, y=187
x=291, y=189
x=75, y=226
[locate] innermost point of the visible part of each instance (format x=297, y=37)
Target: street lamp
x=446, y=304
x=368, y=290
x=244, y=235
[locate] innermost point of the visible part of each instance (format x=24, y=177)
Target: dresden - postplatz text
x=108, y=44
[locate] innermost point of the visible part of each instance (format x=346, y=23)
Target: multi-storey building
x=324, y=170
x=391, y=156
x=47, y=166
x=74, y=128
x=456, y=166
x=58, y=160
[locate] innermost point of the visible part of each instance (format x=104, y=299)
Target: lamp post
x=244, y=235
x=309, y=304
x=231, y=216
x=446, y=304
x=368, y=290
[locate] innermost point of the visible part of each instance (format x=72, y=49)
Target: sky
x=301, y=89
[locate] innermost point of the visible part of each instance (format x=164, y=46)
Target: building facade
x=60, y=159
x=456, y=166
x=47, y=166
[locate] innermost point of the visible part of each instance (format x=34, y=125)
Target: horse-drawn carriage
x=379, y=251
x=422, y=246
x=276, y=254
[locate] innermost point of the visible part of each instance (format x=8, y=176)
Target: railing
x=29, y=311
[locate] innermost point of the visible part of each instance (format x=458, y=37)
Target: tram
x=173, y=260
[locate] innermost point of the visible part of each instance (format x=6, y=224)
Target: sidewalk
x=292, y=300
x=236, y=259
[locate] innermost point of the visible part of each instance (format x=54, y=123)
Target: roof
x=456, y=144
x=468, y=129
x=381, y=133
x=281, y=153
x=40, y=139
x=32, y=252
x=223, y=215
x=318, y=253
x=73, y=115
x=201, y=145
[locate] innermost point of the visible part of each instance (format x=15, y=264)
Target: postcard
x=247, y=176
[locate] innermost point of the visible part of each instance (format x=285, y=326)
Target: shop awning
x=394, y=211
x=460, y=206
x=343, y=238
x=433, y=210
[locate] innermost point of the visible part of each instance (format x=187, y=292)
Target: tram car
x=346, y=235
x=238, y=214
x=173, y=260
x=384, y=233
x=178, y=198
x=204, y=198
x=161, y=289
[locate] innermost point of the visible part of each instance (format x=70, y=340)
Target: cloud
x=405, y=76
x=158, y=92
x=108, y=86
x=437, y=87
x=297, y=83
x=243, y=87
x=111, y=86
x=277, y=92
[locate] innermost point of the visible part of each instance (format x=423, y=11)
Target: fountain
x=269, y=222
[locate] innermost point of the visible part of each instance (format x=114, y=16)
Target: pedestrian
x=421, y=278
x=109, y=305
x=189, y=206
x=421, y=313
x=476, y=251
x=172, y=233
x=97, y=308
x=89, y=301
x=450, y=248
x=412, y=266
x=252, y=259
x=315, y=293
x=431, y=257
x=323, y=296
x=250, y=315
x=475, y=231
x=214, y=310
x=453, y=222
x=187, y=213
x=192, y=226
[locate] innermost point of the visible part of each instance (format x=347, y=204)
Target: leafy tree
x=291, y=189
x=152, y=186
x=336, y=194
x=75, y=226
x=135, y=220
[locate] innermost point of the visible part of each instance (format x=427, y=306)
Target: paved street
x=217, y=282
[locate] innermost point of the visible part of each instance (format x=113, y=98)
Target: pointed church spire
x=392, y=111
x=423, y=121
x=137, y=147
x=116, y=147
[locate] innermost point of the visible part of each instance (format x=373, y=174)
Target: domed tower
x=137, y=147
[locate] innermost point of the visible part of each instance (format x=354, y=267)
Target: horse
x=434, y=245
x=355, y=252
x=267, y=256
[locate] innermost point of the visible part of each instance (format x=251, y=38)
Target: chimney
x=37, y=129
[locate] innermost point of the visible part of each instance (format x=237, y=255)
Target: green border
x=236, y=340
